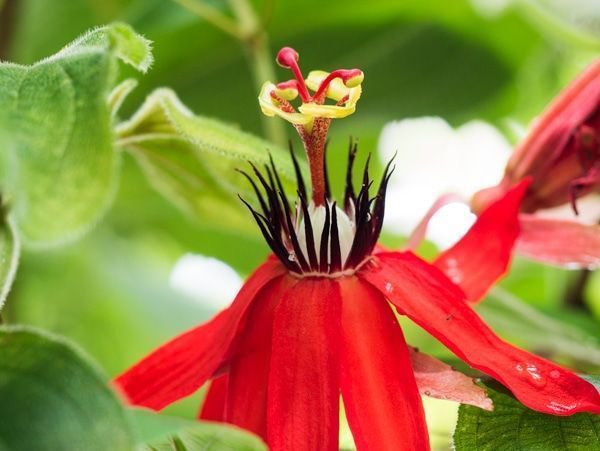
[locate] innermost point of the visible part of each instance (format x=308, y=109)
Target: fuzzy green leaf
x=191, y=159
x=59, y=166
x=159, y=432
x=10, y=250
x=513, y=427
x=53, y=398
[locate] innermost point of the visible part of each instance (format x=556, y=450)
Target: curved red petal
x=303, y=410
x=439, y=380
x=482, y=256
x=560, y=242
x=213, y=407
x=550, y=132
x=418, y=234
x=424, y=294
x=381, y=398
x=249, y=366
x=181, y=366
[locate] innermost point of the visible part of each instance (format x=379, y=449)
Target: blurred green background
x=496, y=60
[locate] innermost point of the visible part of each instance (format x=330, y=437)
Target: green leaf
x=54, y=399
x=10, y=250
x=119, y=93
x=512, y=426
x=159, y=432
x=59, y=166
x=191, y=159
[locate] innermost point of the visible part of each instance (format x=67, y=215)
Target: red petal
x=249, y=369
x=303, y=411
x=380, y=394
x=482, y=256
x=418, y=234
x=181, y=366
x=438, y=380
x=213, y=408
x=549, y=134
x=424, y=294
x=560, y=242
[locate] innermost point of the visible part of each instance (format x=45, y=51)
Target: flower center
x=313, y=118
x=288, y=58
x=320, y=219
x=316, y=237
x=324, y=239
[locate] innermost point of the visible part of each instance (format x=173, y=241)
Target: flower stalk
x=249, y=31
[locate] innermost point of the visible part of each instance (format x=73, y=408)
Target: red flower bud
x=562, y=150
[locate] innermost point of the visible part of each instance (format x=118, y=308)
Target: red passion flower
x=561, y=155
x=318, y=319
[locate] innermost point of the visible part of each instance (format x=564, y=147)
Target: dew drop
x=531, y=372
x=292, y=257
x=427, y=393
x=453, y=270
x=562, y=408
x=554, y=374
x=389, y=287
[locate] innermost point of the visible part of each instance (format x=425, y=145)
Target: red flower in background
x=316, y=320
x=561, y=155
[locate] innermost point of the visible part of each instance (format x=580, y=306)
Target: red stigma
x=288, y=58
x=344, y=74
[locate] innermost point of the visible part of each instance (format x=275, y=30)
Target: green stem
x=247, y=28
x=261, y=65
x=178, y=445
x=575, y=294
x=8, y=15
x=213, y=16
x=256, y=46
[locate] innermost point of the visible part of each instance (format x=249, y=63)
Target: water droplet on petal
x=389, y=287
x=531, y=373
x=453, y=270
x=554, y=374
x=561, y=408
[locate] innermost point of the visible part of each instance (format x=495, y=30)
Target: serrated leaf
x=512, y=426
x=58, y=162
x=192, y=159
x=54, y=399
x=163, y=433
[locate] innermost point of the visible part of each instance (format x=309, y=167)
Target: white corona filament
x=346, y=231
